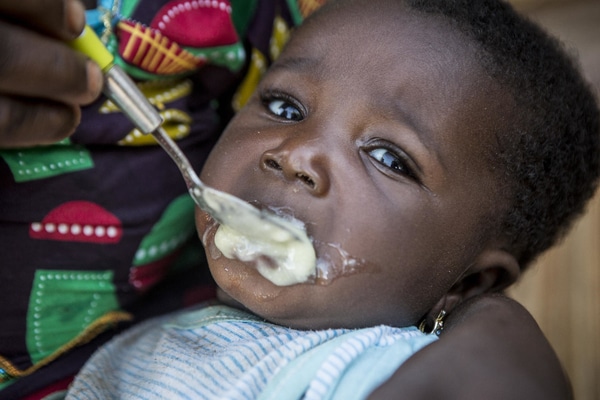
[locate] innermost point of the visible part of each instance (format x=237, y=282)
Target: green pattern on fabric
x=46, y=161
x=174, y=228
x=241, y=14
x=113, y=47
x=295, y=11
x=5, y=379
x=62, y=304
x=128, y=7
x=192, y=257
x=231, y=56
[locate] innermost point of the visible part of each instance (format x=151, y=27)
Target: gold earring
x=438, y=324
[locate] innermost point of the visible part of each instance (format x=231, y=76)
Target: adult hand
x=42, y=81
x=491, y=348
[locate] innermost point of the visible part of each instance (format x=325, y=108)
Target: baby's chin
x=242, y=282
x=297, y=306
x=241, y=286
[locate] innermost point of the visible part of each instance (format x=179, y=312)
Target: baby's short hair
x=550, y=154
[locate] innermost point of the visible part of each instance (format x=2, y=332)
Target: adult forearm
x=491, y=348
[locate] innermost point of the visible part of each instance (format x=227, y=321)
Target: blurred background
x=562, y=289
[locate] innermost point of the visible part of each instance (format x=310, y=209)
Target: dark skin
x=360, y=155
x=47, y=91
x=43, y=82
x=520, y=365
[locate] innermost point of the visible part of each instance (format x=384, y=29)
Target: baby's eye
x=391, y=161
x=284, y=109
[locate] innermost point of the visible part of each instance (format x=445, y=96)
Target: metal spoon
x=223, y=207
x=227, y=209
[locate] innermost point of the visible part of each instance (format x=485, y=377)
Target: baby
x=433, y=150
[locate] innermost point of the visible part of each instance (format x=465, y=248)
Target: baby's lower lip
x=257, y=204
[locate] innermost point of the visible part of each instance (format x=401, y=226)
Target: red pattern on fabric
x=143, y=277
x=78, y=221
x=151, y=51
x=197, y=23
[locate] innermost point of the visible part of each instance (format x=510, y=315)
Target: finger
x=25, y=123
x=62, y=19
x=37, y=66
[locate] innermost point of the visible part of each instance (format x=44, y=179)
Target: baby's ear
x=492, y=271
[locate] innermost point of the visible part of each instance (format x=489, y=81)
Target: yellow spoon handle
x=90, y=44
x=118, y=87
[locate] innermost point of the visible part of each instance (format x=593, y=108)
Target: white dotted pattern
x=191, y=5
x=160, y=249
x=25, y=169
x=46, y=286
x=99, y=231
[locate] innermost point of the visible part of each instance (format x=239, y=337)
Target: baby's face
x=373, y=129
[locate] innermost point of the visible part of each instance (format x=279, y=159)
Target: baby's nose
x=298, y=166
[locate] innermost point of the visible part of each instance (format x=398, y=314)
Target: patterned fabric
x=222, y=353
x=98, y=230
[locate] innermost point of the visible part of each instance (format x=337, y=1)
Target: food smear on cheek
x=335, y=262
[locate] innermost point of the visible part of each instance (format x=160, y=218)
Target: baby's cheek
x=203, y=223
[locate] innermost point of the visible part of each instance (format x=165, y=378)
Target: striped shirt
x=217, y=352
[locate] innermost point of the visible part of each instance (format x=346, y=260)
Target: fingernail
x=75, y=15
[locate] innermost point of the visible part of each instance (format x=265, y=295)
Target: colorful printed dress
x=97, y=231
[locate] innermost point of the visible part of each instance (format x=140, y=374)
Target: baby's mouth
x=282, y=263
x=280, y=249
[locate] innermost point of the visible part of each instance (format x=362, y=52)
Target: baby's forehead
x=377, y=20
x=353, y=13
x=357, y=32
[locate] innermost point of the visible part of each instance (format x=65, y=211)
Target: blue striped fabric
x=217, y=352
